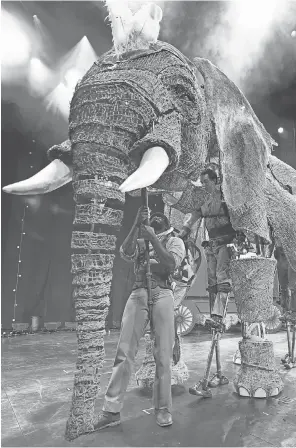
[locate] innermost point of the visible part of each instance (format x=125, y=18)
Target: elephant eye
x=182, y=93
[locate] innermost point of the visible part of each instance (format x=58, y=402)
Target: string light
x=18, y=275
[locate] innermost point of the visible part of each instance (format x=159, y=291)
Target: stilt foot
x=216, y=324
x=290, y=365
x=200, y=390
x=285, y=359
x=218, y=381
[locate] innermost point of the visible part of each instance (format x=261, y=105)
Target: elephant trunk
x=98, y=217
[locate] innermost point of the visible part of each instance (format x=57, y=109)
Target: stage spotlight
x=255, y=15
x=280, y=130
x=17, y=48
x=39, y=76
x=72, y=77
x=293, y=34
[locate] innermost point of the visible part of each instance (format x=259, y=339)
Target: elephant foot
x=243, y=392
x=258, y=393
x=217, y=380
x=257, y=385
x=257, y=376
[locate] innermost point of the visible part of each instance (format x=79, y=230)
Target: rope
x=256, y=366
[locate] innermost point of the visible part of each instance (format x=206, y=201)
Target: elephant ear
x=281, y=209
x=283, y=173
x=244, y=147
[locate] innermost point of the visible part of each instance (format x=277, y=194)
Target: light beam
x=17, y=48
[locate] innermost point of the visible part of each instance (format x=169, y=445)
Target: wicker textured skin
x=146, y=374
x=244, y=145
x=283, y=173
x=258, y=369
x=252, y=281
x=281, y=206
x=119, y=110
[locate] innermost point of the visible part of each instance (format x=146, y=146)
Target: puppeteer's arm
x=128, y=247
x=189, y=222
x=166, y=258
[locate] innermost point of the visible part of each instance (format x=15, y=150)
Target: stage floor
x=37, y=379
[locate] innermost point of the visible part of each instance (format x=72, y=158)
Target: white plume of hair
x=133, y=23
x=121, y=19
x=146, y=22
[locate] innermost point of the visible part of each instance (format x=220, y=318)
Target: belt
x=226, y=239
x=142, y=283
x=222, y=232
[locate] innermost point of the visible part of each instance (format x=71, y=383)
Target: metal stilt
x=289, y=360
x=202, y=388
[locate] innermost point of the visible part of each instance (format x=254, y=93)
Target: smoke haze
x=250, y=41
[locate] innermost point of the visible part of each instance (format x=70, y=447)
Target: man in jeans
x=166, y=254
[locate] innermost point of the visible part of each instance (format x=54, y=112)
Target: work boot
x=163, y=417
x=107, y=419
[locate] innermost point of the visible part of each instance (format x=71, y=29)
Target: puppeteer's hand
x=184, y=234
x=142, y=215
x=147, y=232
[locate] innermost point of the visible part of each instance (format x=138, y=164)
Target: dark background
x=28, y=130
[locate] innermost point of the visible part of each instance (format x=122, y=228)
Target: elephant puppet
x=139, y=118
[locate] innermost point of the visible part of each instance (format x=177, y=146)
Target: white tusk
x=153, y=164
x=52, y=177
